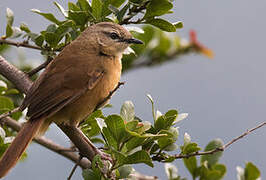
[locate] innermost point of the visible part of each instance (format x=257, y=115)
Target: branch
x=49, y=144
x=19, y=44
x=40, y=67
x=17, y=77
x=181, y=156
x=109, y=95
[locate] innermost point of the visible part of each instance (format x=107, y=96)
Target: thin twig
x=109, y=96
x=74, y=168
x=19, y=44
x=2, y=116
x=219, y=149
x=26, y=45
x=40, y=67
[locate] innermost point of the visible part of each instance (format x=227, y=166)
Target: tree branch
x=40, y=67
x=19, y=44
x=17, y=77
x=181, y=156
x=84, y=163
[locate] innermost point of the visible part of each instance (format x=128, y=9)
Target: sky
x=224, y=96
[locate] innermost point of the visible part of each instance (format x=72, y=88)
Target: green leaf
x=171, y=116
x=190, y=148
x=158, y=8
x=39, y=40
x=162, y=24
x=3, y=86
x=160, y=123
x=191, y=165
x=89, y=174
x=9, y=31
x=122, y=13
x=9, y=16
x=97, y=7
x=127, y=111
x=47, y=16
x=84, y=5
x=179, y=25
x=24, y=28
x=124, y=171
x=110, y=140
x=61, y=9
x=6, y=104
x=139, y=157
x=51, y=38
x=213, y=158
x=251, y=172
x=106, y=4
x=134, y=142
x=116, y=126
x=221, y=168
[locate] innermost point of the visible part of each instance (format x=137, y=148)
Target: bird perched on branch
x=72, y=85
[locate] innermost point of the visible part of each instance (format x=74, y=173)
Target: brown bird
x=72, y=85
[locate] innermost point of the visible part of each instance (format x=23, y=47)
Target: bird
x=79, y=78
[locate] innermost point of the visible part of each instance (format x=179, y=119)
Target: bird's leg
x=85, y=146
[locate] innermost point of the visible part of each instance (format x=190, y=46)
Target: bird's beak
x=133, y=41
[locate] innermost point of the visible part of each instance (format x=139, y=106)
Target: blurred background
x=224, y=96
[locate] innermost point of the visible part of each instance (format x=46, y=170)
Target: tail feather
x=19, y=145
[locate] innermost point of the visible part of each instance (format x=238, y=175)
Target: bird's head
x=112, y=38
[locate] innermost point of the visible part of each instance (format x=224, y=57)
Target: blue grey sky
x=224, y=96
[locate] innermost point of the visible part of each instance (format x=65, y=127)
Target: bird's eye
x=114, y=35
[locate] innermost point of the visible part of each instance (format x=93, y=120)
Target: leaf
x=9, y=17
x=127, y=111
x=2, y=133
x=24, y=28
x=213, y=158
x=88, y=174
x=116, y=126
x=162, y=24
x=251, y=172
x=84, y=5
x=110, y=140
x=47, y=16
x=221, y=168
x=122, y=12
x=190, y=148
x=191, y=165
x=170, y=117
x=97, y=7
x=158, y=8
x=9, y=31
x=124, y=171
x=171, y=171
x=139, y=157
x=105, y=8
x=180, y=117
x=240, y=173
x=6, y=104
x=178, y=24
x=61, y=9
x=3, y=86
x=39, y=40
x=51, y=39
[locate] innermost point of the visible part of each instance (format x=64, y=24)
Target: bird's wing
x=60, y=85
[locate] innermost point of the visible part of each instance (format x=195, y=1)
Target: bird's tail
x=19, y=145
